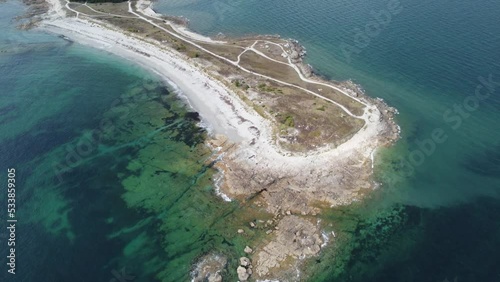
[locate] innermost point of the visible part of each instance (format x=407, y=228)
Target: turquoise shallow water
x=53, y=91
x=436, y=213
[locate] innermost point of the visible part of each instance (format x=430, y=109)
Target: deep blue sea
x=106, y=215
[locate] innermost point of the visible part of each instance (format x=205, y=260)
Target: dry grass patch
x=113, y=8
x=227, y=51
x=352, y=105
x=256, y=63
x=242, y=42
x=136, y=26
x=303, y=122
x=84, y=9
x=308, y=123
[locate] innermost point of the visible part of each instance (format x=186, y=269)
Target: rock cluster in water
x=209, y=268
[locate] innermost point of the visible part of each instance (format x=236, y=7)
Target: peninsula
x=286, y=141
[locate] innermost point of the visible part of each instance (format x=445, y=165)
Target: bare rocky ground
x=295, y=191
x=33, y=15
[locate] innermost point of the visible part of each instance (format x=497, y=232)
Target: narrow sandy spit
x=205, y=95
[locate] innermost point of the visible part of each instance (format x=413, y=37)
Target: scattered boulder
x=244, y=270
x=214, y=277
x=244, y=261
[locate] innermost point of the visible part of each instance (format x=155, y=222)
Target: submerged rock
x=209, y=268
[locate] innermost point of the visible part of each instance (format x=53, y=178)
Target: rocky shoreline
x=295, y=196
x=33, y=15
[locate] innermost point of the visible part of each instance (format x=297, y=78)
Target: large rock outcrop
x=296, y=237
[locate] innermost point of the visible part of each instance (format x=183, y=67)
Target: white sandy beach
x=204, y=94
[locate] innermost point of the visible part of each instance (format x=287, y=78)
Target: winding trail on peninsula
x=365, y=116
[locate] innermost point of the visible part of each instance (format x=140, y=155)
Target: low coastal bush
x=180, y=47
x=265, y=88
